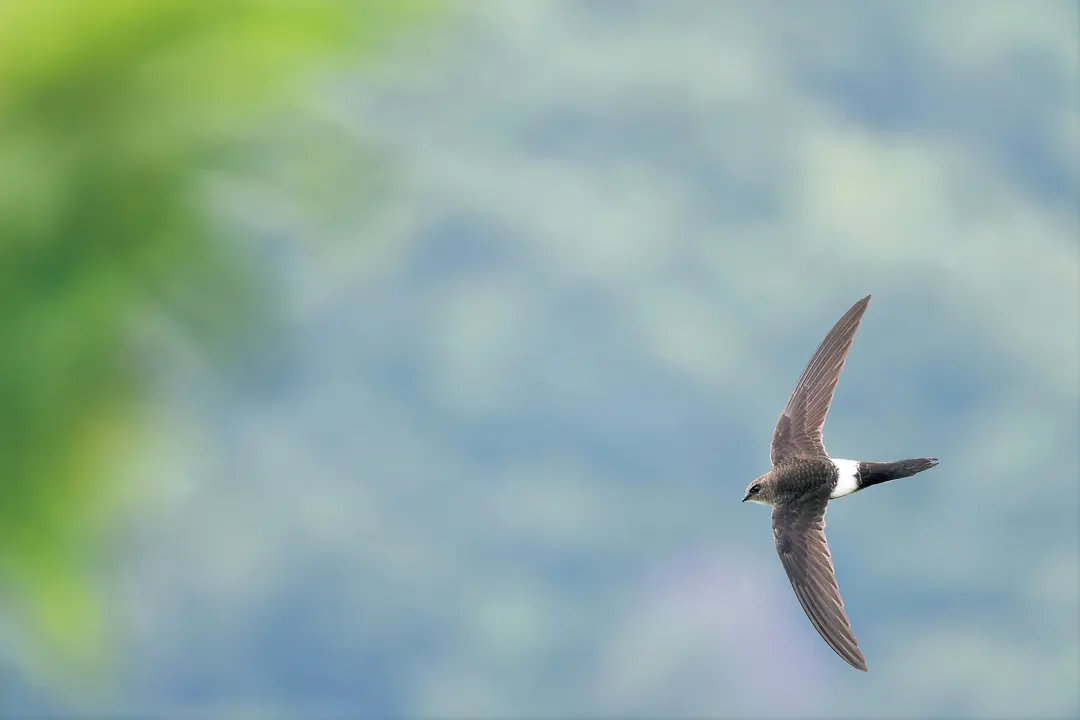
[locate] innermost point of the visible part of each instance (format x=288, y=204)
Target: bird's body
x=803, y=480
x=798, y=476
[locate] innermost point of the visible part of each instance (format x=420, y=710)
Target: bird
x=803, y=480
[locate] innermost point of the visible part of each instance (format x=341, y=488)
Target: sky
x=490, y=464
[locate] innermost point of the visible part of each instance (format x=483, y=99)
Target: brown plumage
x=799, y=534
x=804, y=478
x=798, y=431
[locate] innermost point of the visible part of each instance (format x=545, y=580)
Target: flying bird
x=804, y=479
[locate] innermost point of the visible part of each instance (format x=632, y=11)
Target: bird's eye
x=755, y=489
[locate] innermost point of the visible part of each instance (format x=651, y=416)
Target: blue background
x=489, y=463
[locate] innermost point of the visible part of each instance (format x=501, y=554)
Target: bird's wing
x=799, y=533
x=798, y=431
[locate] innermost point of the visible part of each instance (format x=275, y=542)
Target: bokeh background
x=411, y=359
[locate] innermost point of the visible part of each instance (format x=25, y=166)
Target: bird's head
x=761, y=490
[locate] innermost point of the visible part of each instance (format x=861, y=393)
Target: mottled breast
x=796, y=477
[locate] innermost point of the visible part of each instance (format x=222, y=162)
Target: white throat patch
x=848, y=482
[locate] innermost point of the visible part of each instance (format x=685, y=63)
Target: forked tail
x=873, y=473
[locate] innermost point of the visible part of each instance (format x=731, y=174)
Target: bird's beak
x=746, y=497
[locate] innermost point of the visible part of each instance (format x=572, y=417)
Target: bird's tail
x=872, y=473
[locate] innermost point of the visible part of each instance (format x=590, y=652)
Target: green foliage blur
x=110, y=111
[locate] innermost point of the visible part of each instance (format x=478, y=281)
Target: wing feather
x=798, y=431
x=799, y=533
